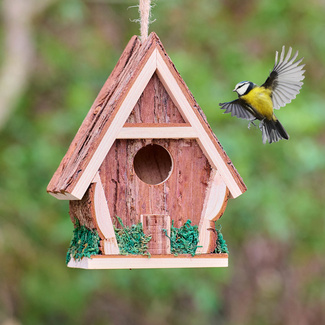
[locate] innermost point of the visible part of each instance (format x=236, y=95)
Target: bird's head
x=244, y=87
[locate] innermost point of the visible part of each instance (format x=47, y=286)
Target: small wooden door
x=153, y=225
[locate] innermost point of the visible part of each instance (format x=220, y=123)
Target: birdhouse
x=145, y=175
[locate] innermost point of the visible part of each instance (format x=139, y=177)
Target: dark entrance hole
x=153, y=164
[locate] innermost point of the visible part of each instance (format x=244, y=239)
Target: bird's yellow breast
x=260, y=99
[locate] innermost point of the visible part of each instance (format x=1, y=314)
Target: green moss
x=183, y=240
x=221, y=246
x=132, y=240
x=84, y=243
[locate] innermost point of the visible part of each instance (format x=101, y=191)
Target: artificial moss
x=132, y=240
x=183, y=240
x=221, y=246
x=84, y=243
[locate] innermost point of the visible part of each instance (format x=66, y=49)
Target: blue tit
x=258, y=102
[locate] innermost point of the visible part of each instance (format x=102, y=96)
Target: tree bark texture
x=83, y=210
x=155, y=106
x=181, y=196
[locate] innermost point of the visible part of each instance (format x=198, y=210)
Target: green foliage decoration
x=221, y=246
x=84, y=243
x=183, y=240
x=132, y=240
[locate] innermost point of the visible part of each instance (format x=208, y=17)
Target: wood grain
x=153, y=225
x=166, y=132
x=128, y=197
x=155, y=106
x=83, y=210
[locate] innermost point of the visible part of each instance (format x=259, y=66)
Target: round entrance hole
x=153, y=164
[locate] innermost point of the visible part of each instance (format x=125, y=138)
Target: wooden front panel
x=181, y=196
x=155, y=105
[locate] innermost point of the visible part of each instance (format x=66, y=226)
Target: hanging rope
x=144, y=10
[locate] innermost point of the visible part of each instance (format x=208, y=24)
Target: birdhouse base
x=153, y=262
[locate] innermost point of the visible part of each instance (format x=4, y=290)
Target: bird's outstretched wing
x=285, y=79
x=236, y=109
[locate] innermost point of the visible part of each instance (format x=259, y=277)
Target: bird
x=258, y=102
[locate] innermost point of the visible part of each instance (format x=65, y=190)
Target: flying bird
x=258, y=102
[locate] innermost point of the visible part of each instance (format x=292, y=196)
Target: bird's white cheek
x=242, y=90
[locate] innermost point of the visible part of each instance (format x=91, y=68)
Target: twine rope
x=144, y=10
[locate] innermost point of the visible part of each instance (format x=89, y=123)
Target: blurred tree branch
x=19, y=51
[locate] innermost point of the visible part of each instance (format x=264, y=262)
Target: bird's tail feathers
x=272, y=131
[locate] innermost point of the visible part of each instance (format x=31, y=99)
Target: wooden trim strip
x=103, y=219
x=153, y=262
x=216, y=197
x=156, y=125
x=63, y=196
x=157, y=133
x=214, y=205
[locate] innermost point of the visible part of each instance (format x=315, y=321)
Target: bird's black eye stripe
x=244, y=84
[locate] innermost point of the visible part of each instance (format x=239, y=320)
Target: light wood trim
x=154, y=262
x=157, y=133
x=64, y=196
x=204, y=140
x=156, y=125
x=217, y=195
x=117, y=123
x=103, y=219
x=214, y=206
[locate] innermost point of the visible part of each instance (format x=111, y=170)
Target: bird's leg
x=251, y=122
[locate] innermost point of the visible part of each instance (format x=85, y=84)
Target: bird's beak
x=234, y=90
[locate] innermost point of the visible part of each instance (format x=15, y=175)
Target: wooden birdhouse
x=143, y=167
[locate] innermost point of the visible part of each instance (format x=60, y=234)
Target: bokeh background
x=55, y=55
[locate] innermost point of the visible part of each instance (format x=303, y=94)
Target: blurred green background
x=55, y=56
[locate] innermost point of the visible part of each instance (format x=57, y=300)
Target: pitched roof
x=113, y=106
